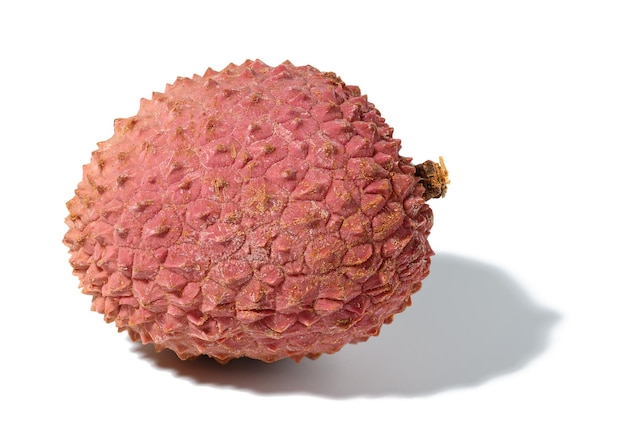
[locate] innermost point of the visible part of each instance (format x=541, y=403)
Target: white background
x=519, y=331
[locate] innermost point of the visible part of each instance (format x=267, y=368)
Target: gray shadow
x=470, y=323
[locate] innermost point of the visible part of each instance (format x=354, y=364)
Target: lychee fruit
x=258, y=211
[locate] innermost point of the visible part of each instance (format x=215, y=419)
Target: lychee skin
x=257, y=211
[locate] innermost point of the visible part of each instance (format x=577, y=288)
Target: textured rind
x=256, y=211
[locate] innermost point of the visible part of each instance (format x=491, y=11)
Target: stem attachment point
x=434, y=178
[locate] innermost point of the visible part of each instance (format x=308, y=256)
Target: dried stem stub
x=434, y=178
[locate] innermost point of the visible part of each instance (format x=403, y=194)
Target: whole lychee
x=256, y=211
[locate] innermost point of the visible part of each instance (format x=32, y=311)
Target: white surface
x=518, y=333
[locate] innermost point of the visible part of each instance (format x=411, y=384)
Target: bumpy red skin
x=257, y=211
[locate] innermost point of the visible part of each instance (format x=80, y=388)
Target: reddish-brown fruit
x=258, y=211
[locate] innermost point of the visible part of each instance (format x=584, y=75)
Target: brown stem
x=434, y=178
